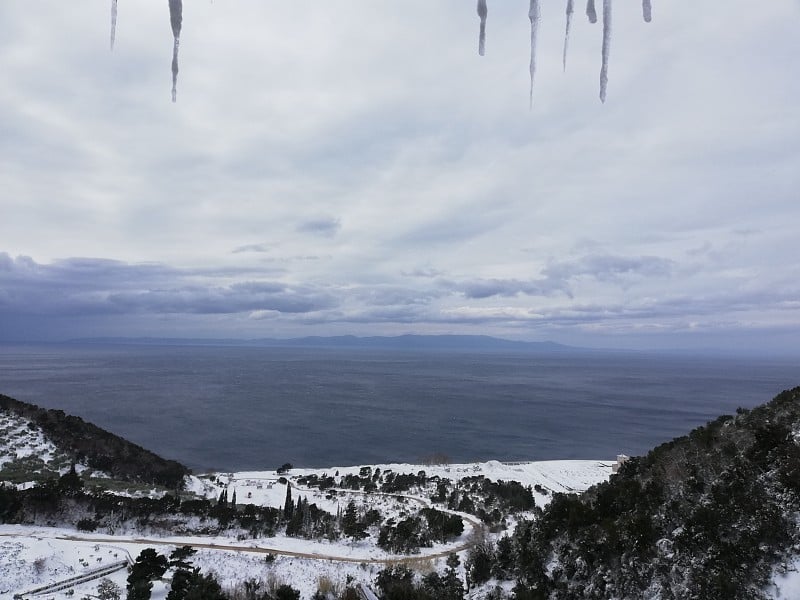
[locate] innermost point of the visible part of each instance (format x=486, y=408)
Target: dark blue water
x=249, y=408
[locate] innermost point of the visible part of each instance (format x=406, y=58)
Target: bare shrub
x=39, y=564
x=326, y=586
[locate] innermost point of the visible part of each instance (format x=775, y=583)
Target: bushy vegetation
x=399, y=583
x=100, y=449
x=55, y=502
x=367, y=480
x=490, y=501
x=407, y=535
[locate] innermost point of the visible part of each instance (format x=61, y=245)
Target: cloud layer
x=359, y=169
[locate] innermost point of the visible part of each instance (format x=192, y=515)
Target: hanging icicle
x=591, y=12
x=570, y=10
x=533, y=15
x=606, y=48
x=176, y=19
x=482, y=12
x=113, y=22
x=647, y=11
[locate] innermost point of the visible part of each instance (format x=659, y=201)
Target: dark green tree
x=286, y=592
x=352, y=526
x=479, y=563
x=193, y=585
x=288, y=505
x=396, y=583
x=149, y=565
x=139, y=589
x=70, y=482
x=178, y=558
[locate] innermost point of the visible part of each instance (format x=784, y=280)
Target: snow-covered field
x=33, y=556
x=263, y=487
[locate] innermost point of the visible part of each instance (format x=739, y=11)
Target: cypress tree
x=288, y=506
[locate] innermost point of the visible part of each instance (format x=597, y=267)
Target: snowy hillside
x=38, y=555
x=96, y=448
x=28, y=455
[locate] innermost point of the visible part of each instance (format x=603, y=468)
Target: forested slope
x=99, y=448
x=707, y=515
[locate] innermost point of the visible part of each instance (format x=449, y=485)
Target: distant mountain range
x=459, y=343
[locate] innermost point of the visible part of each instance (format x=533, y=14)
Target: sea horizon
x=239, y=408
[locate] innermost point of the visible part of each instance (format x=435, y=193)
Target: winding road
x=464, y=544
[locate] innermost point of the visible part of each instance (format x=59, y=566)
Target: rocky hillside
x=97, y=448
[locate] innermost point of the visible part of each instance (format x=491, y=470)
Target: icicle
x=533, y=15
x=570, y=10
x=482, y=11
x=175, y=70
x=591, y=12
x=176, y=19
x=606, y=48
x=113, y=22
x=647, y=11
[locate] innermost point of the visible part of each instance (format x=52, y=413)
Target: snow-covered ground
x=19, y=438
x=263, y=487
x=25, y=447
x=786, y=581
x=33, y=556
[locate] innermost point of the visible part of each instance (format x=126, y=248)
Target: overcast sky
x=354, y=167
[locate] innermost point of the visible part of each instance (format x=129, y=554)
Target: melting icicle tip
x=591, y=11
x=113, y=22
x=482, y=12
x=570, y=10
x=647, y=11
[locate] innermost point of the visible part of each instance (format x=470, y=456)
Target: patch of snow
x=19, y=438
x=786, y=580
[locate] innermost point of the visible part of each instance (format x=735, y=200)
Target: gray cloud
x=85, y=292
x=84, y=286
x=558, y=276
x=327, y=226
x=609, y=268
x=424, y=272
x=264, y=247
x=487, y=288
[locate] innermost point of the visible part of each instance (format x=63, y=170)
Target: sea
x=226, y=408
